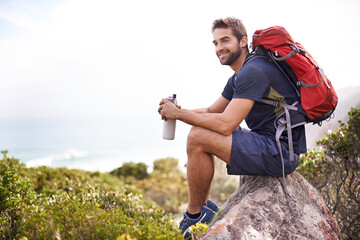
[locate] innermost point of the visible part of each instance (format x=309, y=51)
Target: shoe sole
x=215, y=216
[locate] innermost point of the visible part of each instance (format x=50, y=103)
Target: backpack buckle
x=281, y=122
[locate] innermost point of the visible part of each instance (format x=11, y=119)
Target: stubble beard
x=232, y=57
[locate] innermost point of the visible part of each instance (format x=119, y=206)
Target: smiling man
x=216, y=130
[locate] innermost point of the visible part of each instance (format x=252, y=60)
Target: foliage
x=165, y=165
x=334, y=171
x=124, y=237
x=49, y=180
x=15, y=194
x=130, y=169
x=198, y=230
x=315, y=167
x=95, y=215
x=11, y=164
x=47, y=203
x=223, y=185
x=74, y=204
x=166, y=185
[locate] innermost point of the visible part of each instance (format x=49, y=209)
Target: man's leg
x=202, y=144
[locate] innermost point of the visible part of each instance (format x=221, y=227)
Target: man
x=216, y=130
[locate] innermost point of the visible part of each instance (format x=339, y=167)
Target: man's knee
x=194, y=137
x=204, y=140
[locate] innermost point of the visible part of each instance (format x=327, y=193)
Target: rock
x=263, y=208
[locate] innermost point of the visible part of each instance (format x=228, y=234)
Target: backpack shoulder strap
x=254, y=55
x=260, y=51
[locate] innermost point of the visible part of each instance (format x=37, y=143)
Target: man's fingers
x=165, y=104
x=163, y=101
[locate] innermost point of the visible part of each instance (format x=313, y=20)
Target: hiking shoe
x=210, y=204
x=207, y=216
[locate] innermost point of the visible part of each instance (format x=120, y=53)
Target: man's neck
x=237, y=65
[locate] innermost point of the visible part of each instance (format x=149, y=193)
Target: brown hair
x=236, y=26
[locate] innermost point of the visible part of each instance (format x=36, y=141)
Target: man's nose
x=218, y=47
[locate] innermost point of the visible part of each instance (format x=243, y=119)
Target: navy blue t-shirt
x=261, y=78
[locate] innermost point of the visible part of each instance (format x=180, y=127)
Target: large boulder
x=264, y=208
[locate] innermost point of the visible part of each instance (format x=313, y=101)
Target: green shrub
x=12, y=164
x=198, y=230
x=166, y=185
x=334, y=171
x=166, y=165
x=49, y=180
x=130, y=169
x=15, y=194
x=95, y=215
x=315, y=167
x=75, y=204
x=223, y=185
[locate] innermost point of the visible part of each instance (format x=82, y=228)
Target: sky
x=117, y=59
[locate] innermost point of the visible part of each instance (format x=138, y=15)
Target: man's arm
x=222, y=122
x=217, y=107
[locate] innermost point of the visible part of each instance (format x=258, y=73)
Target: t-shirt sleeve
x=228, y=91
x=251, y=83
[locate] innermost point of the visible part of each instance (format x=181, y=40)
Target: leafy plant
x=198, y=231
x=96, y=215
x=130, y=169
x=15, y=194
x=166, y=185
x=223, y=185
x=47, y=203
x=334, y=171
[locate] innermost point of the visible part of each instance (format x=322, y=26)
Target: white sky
x=92, y=58
x=89, y=58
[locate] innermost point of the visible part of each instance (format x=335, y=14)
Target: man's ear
x=243, y=41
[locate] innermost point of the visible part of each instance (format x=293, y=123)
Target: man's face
x=227, y=47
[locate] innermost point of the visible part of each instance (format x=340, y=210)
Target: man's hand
x=168, y=110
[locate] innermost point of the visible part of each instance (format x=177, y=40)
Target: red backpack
x=317, y=97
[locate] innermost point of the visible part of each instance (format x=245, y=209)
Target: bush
x=334, y=171
x=166, y=165
x=198, y=230
x=166, y=185
x=12, y=164
x=75, y=204
x=130, y=169
x=15, y=194
x=223, y=185
x=95, y=215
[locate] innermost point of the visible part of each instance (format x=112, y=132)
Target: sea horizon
x=98, y=144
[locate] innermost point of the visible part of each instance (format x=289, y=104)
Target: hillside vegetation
x=130, y=203
x=48, y=203
x=335, y=171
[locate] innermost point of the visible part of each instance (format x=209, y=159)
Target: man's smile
x=223, y=54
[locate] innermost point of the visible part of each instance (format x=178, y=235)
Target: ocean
x=92, y=144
